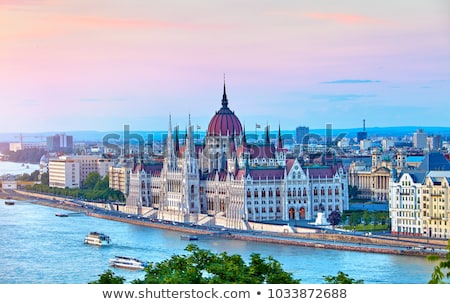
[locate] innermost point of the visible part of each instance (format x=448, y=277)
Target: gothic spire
x=224, y=97
x=280, y=140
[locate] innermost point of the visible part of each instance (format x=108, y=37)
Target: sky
x=99, y=65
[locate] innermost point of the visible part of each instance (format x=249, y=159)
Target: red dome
x=224, y=122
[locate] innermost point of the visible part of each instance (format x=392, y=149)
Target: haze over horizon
x=83, y=65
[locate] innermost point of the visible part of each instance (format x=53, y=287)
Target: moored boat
x=9, y=203
x=127, y=262
x=97, y=238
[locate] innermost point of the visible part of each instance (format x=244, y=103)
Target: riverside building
x=419, y=201
x=229, y=182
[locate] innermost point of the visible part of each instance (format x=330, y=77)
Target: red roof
x=224, y=123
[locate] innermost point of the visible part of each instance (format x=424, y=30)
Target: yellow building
x=436, y=205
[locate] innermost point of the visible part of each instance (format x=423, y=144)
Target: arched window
x=322, y=191
x=263, y=192
x=315, y=191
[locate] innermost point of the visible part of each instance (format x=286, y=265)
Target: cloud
x=350, y=81
x=342, y=97
x=341, y=18
x=114, y=22
x=90, y=99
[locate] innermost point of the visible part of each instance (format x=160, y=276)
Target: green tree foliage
x=91, y=180
x=352, y=191
x=438, y=275
x=367, y=217
x=341, y=278
x=98, y=190
x=109, y=278
x=355, y=219
x=204, y=267
x=44, y=179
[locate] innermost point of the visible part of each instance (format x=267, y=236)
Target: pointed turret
x=267, y=141
x=224, y=96
x=280, y=140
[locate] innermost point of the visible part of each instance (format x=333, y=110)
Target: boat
x=9, y=203
x=127, y=262
x=62, y=214
x=97, y=238
x=189, y=237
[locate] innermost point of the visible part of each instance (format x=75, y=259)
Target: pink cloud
x=341, y=18
x=113, y=22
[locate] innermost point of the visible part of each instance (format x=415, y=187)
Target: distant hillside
x=97, y=136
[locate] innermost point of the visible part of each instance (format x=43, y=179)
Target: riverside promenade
x=337, y=240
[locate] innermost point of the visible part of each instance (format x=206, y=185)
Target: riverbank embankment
x=338, y=241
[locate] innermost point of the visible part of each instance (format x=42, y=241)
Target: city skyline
x=79, y=65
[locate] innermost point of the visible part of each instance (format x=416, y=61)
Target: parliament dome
x=224, y=122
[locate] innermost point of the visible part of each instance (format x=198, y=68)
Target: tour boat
x=127, y=262
x=189, y=237
x=62, y=214
x=97, y=238
x=9, y=203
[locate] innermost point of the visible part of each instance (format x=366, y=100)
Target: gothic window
x=315, y=191
x=256, y=193
x=336, y=191
x=278, y=192
x=289, y=192
x=322, y=191
x=263, y=193
x=330, y=192
x=270, y=192
x=192, y=189
x=249, y=193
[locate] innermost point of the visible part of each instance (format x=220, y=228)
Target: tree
x=355, y=219
x=204, y=267
x=352, y=191
x=341, y=278
x=334, y=218
x=109, y=278
x=438, y=275
x=367, y=217
x=44, y=179
x=91, y=180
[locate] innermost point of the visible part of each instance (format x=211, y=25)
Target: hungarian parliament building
x=229, y=181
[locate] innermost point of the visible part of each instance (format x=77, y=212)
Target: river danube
x=38, y=247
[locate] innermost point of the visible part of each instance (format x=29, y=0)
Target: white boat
x=97, y=238
x=127, y=262
x=189, y=237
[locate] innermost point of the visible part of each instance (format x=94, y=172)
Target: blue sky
x=98, y=65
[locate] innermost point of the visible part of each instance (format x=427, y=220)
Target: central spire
x=224, y=97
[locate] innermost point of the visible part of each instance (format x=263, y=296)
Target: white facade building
x=229, y=182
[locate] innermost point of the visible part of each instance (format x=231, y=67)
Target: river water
x=7, y=167
x=38, y=247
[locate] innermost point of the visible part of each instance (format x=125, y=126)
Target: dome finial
x=224, y=97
